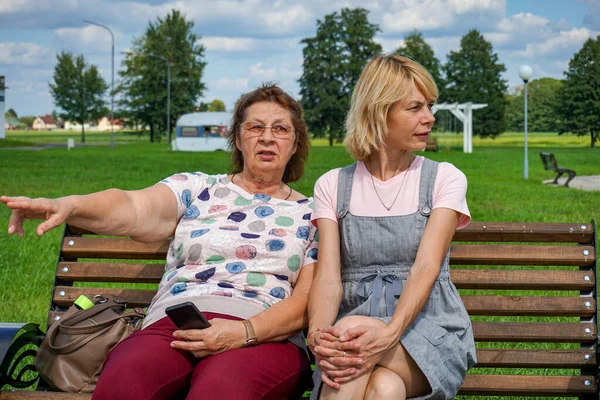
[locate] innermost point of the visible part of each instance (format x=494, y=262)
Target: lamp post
x=112, y=82
x=525, y=72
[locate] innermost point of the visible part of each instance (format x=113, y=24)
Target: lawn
x=497, y=191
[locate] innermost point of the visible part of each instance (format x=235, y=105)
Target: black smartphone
x=187, y=316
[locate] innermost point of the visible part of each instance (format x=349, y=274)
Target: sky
x=248, y=42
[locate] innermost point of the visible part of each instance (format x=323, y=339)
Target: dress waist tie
x=392, y=291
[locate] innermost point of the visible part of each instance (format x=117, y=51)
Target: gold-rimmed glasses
x=256, y=129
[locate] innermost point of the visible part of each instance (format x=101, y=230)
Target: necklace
x=399, y=189
x=288, y=196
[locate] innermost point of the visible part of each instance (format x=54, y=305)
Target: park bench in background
x=530, y=289
x=549, y=162
x=431, y=144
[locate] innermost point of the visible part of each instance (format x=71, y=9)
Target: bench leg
x=571, y=176
x=555, y=181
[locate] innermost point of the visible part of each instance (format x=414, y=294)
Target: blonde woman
x=385, y=321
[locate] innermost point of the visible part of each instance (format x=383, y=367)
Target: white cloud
x=24, y=54
x=239, y=84
x=521, y=22
x=265, y=74
x=388, y=45
x=228, y=44
x=244, y=44
x=90, y=38
x=424, y=15
x=565, y=42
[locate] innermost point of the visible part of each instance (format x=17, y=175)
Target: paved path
x=589, y=183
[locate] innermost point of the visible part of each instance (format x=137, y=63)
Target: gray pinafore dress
x=376, y=255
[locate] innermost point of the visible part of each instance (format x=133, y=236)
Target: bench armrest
x=18, y=346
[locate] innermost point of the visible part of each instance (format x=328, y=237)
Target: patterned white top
x=233, y=252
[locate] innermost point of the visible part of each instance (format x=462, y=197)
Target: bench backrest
x=549, y=161
x=530, y=289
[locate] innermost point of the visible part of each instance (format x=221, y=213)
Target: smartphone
x=187, y=316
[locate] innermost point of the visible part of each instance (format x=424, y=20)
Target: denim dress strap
x=344, y=190
x=428, y=174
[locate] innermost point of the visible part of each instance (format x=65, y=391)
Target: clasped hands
x=345, y=355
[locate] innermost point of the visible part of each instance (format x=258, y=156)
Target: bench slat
x=467, y=254
x=527, y=385
x=560, y=232
x=109, y=272
x=522, y=280
x=27, y=395
x=462, y=278
x=530, y=305
x=113, y=248
x=512, y=358
x=484, y=254
x=133, y=297
x=548, y=332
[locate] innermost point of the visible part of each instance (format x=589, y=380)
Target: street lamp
x=525, y=72
x=112, y=82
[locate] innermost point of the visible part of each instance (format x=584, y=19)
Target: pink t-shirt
x=449, y=191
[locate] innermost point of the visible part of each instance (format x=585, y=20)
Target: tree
x=417, y=49
x=579, y=109
x=11, y=113
x=542, y=105
x=473, y=74
x=203, y=107
x=216, y=105
x=78, y=90
x=333, y=60
x=27, y=120
x=143, y=86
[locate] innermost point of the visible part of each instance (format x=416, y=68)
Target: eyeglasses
x=255, y=129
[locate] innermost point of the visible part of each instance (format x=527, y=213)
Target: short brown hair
x=270, y=92
x=385, y=80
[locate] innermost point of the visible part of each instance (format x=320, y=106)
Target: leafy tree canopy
x=11, y=113
x=473, y=74
x=333, y=61
x=143, y=88
x=542, y=106
x=78, y=90
x=579, y=109
x=416, y=48
x=216, y=105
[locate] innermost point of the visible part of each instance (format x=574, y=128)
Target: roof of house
x=48, y=119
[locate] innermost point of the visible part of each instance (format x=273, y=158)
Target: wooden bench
x=431, y=144
x=530, y=289
x=550, y=164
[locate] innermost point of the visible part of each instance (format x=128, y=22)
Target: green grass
x=497, y=191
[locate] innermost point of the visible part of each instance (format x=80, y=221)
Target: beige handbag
x=71, y=356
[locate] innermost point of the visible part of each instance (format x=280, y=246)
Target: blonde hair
x=385, y=80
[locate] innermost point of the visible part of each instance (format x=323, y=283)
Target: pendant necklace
x=399, y=189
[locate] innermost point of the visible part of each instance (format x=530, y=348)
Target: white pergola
x=464, y=112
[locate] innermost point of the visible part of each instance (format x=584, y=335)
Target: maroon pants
x=145, y=367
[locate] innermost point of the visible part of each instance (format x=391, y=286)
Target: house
x=104, y=124
x=75, y=126
x=13, y=123
x=44, y=123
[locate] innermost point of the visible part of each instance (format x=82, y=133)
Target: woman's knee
x=385, y=384
x=356, y=320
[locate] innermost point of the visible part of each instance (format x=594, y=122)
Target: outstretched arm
x=145, y=215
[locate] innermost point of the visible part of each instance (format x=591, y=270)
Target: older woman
x=242, y=250
x=389, y=323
